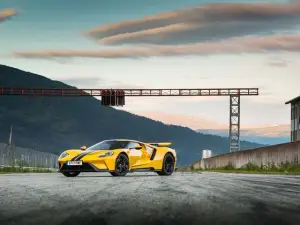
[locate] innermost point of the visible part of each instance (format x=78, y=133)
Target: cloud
x=202, y=122
x=221, y=28
x=204, y=23
x=98, y=82
x=193, y=122
x=216, y=110
x=281, y=63
x=6, y=14
x=240, y=45
x=83, y=81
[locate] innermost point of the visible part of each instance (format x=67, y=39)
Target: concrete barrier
x=269, y=155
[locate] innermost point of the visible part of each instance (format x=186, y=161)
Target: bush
x=229, y=166
x=269, y=167
x=251, y=167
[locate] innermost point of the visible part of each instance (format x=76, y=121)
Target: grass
x=253, y=172
x=14, y=169
x=284, y=168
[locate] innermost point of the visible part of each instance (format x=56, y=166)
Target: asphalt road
x=146, y=198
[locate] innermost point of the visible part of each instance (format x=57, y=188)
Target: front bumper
x=85, y=167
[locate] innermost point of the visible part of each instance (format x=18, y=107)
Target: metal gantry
x=127, y=92
x=234, y=123
x=116, y=97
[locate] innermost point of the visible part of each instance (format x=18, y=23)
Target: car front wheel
x=71, y=174
x=122, y=166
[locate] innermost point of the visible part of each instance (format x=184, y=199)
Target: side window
x=132, y=145
x=149, y=150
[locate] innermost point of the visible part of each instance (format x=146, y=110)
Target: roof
x=127, y=140
x=120, y=140
x=293, y=100
x=146, y=143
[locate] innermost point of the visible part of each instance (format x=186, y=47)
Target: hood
x=79, y=152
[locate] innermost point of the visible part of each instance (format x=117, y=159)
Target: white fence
x=25, y=157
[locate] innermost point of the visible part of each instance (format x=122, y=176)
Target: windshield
x=109, y=145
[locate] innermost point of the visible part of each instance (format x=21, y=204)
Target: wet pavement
x=146, y=198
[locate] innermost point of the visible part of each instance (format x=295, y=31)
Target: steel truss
x=234, y=123
x=127, y=92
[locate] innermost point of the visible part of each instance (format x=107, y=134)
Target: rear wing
x=161, y=144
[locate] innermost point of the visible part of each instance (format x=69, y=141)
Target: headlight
x=106, y=154
x=63, y=155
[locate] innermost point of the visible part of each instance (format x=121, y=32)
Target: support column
x=234, y=123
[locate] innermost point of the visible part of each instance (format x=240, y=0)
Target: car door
x=145, y=157
x=135, y=155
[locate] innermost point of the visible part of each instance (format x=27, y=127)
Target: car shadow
x=128, y=175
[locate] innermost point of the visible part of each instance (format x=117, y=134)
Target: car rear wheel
x=168, y=165
x=122, y=166
x=71, y=174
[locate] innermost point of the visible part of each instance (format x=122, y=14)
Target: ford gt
x=118, y=157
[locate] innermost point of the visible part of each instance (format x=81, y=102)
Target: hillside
x=267, y=135
x=53, y=124
x=263, y=135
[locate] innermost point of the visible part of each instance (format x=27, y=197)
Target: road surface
x=146, y=198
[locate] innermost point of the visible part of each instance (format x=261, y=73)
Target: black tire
x=71, y=174
x=122, y=166
x=168, y=165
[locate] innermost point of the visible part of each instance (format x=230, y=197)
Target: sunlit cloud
x=240, y=45
x=204, y=23
x=6, y=14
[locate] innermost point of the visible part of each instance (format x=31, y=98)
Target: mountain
x=53, y=124
x=264, y=135
x=267, y=135
x=269, y=131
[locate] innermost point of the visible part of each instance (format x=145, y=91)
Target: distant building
x=295, y=118
x=206, y=154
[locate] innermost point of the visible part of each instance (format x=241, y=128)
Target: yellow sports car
x=118, y=157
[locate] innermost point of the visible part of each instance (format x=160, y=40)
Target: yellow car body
x=107, y=156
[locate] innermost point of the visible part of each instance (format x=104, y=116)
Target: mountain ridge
x=267, y=134
x=200, y=123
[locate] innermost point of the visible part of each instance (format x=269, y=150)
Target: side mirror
x=83, y=148
x=138, y=147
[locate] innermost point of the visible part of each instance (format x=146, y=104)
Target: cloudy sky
x=163, y=44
